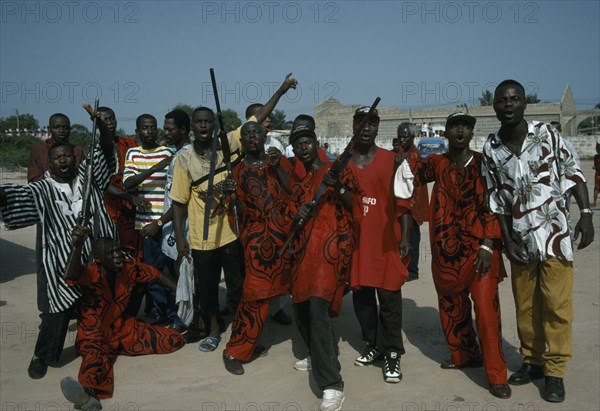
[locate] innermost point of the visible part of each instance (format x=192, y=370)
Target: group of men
x=308, y=228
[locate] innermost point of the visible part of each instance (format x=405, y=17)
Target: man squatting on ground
x=104, y=329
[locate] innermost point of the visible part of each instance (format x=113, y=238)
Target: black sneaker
x=369, y=356
x=37, y=368
x=391, y=368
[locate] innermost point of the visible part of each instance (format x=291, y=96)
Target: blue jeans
x=163, y=297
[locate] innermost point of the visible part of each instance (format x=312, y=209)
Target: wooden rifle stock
x=338, y=166
x=74, y=260
x=211, y=182
x=225, y=148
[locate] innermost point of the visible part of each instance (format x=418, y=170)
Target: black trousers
x=314, y=324
x=381, y=327
x=54, y=326
x=51, y=338
x=207, y=275
x=415, y=242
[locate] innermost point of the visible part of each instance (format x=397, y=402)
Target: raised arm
x=265, y=111
x=106, y=139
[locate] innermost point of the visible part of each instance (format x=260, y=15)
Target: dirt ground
x=193, y=380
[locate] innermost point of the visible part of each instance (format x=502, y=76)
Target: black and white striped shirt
x=57, y=207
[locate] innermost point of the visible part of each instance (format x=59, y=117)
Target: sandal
x=209, y=344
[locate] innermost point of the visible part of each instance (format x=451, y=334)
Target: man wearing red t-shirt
x=378, y=271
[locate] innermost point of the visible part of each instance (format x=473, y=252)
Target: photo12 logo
x=526, y=12
x=270, y=11
x=451, y=92
x=69, y=11
x=254, y=92
x=70, y=91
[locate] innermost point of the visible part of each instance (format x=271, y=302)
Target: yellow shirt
x=236, y=135
x=190, y=167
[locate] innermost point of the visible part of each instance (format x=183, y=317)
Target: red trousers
x=461, y=337
x=246, y=328
x=98, y=355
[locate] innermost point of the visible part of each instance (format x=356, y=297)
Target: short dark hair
x=251, y=109
x=412, y=129
x=180, y=118
x=248, y=123
x=203, y=108
x=306, y=118
x=106, y=109
x=143, y=117
x=61, y=144
x=58, y=115
x=101, y=243
x=510, y=82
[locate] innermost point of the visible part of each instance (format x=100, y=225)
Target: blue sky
x=147, y=56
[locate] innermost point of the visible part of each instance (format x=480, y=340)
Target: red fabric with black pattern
x=104, y=331
x=458, y=222
x=324, y=247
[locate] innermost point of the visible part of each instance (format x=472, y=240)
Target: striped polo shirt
x=151, y=189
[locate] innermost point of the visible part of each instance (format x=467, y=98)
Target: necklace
x=255, y=163
x=460, y=162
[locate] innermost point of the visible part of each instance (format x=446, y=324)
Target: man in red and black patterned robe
x=467, y=262
x=104, y=331
x=262, y=204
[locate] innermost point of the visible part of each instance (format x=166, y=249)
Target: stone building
x=334, y=121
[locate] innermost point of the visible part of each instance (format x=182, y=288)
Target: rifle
x=74, y=259
x=211, y=181
x=338, y=166
x=225, y=148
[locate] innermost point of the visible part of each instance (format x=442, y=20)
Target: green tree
x=278, y=122
x=532, y=98
x=486, y=99
x=185, y=107
x=79, y=128
x=26, y=121
x=231, y=121
x=14, y=150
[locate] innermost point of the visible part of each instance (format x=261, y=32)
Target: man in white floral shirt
x=529, y=169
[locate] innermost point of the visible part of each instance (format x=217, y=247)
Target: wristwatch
x=159, y=223
x=586, y=211
x=342, y=190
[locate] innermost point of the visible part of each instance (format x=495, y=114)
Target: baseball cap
x=454, y=117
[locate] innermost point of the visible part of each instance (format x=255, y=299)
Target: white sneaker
x=332, y=400
x=74, y=392
x=303, y=365
x=391, y=368
x=370, y=356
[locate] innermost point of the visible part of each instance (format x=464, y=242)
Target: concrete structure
x=334, y=121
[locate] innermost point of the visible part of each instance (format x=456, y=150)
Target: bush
x=14, y=150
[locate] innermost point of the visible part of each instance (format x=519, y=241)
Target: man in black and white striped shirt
x=56, y=202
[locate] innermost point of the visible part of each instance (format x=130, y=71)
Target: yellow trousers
x=543, y=293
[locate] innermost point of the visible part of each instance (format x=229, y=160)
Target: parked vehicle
x=432, y=145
